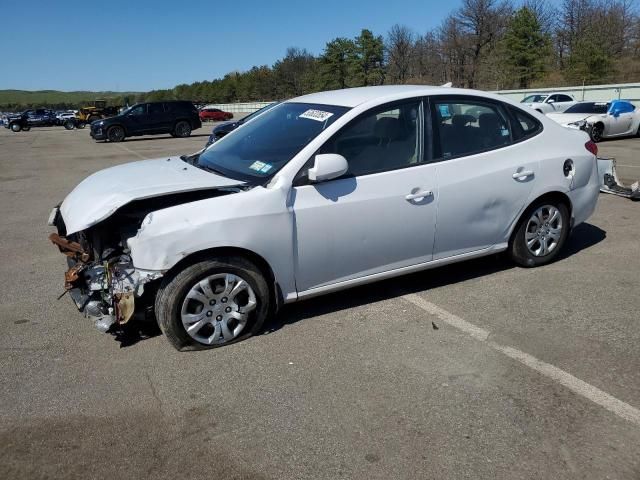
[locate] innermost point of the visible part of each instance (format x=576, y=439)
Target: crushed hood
x=98, y=196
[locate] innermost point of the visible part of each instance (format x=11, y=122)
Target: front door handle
x=419, y=195
x=523, y=173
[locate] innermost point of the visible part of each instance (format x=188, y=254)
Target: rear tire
x=26, y=128
x=69, y=125
x=540, y=234
x=181, y=303
x=81, y=124
x=182, y=129
x=115, y=134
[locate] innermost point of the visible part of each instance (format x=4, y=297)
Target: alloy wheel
x=216, y=309
x=544, y=230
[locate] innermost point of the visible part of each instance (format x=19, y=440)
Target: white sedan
x=548, y=102
x=617, y=118
x=321, y=193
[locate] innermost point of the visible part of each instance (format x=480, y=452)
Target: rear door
x=486, y=170
x=157, y=118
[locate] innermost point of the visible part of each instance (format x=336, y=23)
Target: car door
x=484, y=174
x=137, y=120
x=380, y=216
x=156, y=118
x=620, y=119
x=563, y=102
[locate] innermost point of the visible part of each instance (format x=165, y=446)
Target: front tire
x=596, y=133
x=182, y=129
x=212, y=303
x=540, y=234
x=15, y=127
x=115, y=134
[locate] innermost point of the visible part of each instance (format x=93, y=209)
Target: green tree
x=589, y=62
x=527, y=47
x=338, y=62
x=369, y=59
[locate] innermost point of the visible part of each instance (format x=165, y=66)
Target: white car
x=617, y=118
x=321, y=193
x=548, y=102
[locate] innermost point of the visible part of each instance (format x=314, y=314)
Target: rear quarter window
x=524, y=125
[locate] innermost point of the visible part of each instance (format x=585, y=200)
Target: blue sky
x=142, y=45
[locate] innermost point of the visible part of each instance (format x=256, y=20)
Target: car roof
x=352, y=97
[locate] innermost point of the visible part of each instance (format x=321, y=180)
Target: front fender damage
x=105, y=291
x=101, y=277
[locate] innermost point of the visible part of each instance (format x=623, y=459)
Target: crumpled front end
x=100, y=278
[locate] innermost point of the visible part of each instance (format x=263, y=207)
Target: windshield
x=534, y=99
x=263, y=146
x=588, y=107
x=258, y=112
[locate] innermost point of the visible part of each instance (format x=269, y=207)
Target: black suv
x=178, y=118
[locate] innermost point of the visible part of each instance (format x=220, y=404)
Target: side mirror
x=615, y=112
x=328, y=166
x=550, y=101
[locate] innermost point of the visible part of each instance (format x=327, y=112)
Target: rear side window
x=524, y=125
x=465, y=127
x=564, y=98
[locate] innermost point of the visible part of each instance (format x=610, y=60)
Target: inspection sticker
x=260, y=167
x=317, y=115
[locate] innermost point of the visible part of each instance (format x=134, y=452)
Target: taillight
x=592, y=147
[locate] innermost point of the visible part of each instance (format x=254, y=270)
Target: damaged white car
x=617, y=118
x=321, y=193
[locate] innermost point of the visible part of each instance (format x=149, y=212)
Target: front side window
x=138, y=110
x=155, y=108
x=474, y=126
x=263, y=146
x=385, y=139
x=537, y=98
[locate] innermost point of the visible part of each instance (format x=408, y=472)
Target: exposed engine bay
x=102, y=279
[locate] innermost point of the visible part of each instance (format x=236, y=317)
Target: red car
x=214, y=115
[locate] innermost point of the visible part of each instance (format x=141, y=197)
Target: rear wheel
x=182, y=129
x=540, y=234
x=212, y=303
x=26, y=128
x=15, y=127
x=81, y=124
x=69, y=125
x=115, y=134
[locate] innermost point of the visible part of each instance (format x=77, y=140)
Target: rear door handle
x=418, y=195
x=523, y=173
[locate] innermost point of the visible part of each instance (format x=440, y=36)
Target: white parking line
x=131, y=151
x=584, y=389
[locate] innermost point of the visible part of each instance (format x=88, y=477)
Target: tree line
x=484, y=44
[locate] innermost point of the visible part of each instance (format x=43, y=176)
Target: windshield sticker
x=317, y=115
x=260, y=167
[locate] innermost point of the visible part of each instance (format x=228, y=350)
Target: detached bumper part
x=610, y=183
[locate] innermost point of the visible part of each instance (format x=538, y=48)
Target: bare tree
x=484, y=21
x=399, y=49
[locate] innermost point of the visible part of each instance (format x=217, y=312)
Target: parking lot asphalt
x=477, y=370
